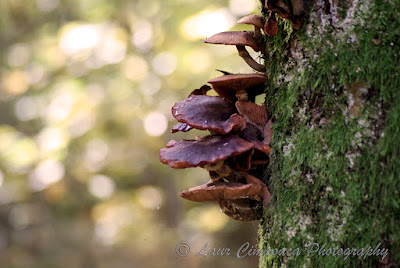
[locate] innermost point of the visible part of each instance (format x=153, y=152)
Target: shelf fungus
x=238, y=147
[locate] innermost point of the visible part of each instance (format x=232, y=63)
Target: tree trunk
x=334, y=174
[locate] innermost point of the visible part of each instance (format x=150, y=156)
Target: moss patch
x=334, y=91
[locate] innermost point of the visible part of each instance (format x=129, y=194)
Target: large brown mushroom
x=206, y=150
x=240, y=40
x=215, y=191
x=238, y=86
x=208, y=113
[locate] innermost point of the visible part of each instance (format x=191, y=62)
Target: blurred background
x=86, y=89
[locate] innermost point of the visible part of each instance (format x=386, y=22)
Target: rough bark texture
x=334, y=91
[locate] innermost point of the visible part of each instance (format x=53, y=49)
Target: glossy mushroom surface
x=206, y=150
x=208, y=113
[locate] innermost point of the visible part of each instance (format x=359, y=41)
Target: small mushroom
x=240, y=40
x=256, y=20
x=271, y=25
x=206, y=150
x=237, y=86
x=237, y=38
x=208, y=113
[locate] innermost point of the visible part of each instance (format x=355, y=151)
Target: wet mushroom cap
x=244, y=38
x=228, y=85
x=208, y=113
x=206, y=150
x=215, y=191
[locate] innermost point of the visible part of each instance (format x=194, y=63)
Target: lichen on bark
x=334, y=91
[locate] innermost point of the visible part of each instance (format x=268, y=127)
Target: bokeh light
x=155, y=124
x=46, y=173
x=101, y=186
x=86, y=90
x=207, y=23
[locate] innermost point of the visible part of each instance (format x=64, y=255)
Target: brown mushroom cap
x=215, y=191
x=271, y=25
x=256, y=20
x=264, y=193
x=227, y=85
x=206, y=150
x=256, y=117
x=245, y=38
x=208, y=113
x=254, y=134
x=257, y=114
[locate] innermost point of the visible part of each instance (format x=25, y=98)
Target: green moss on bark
x=334, y=92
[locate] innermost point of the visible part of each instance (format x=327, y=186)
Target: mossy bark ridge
x=333, y=89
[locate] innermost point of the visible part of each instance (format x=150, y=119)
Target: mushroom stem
x=249, y=60
x=257, y=32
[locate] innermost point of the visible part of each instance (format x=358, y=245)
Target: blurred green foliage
x=85, y=94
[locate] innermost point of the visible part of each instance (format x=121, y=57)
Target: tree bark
x=334, y=172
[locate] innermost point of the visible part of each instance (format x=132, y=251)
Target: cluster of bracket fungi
x=240, y=131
